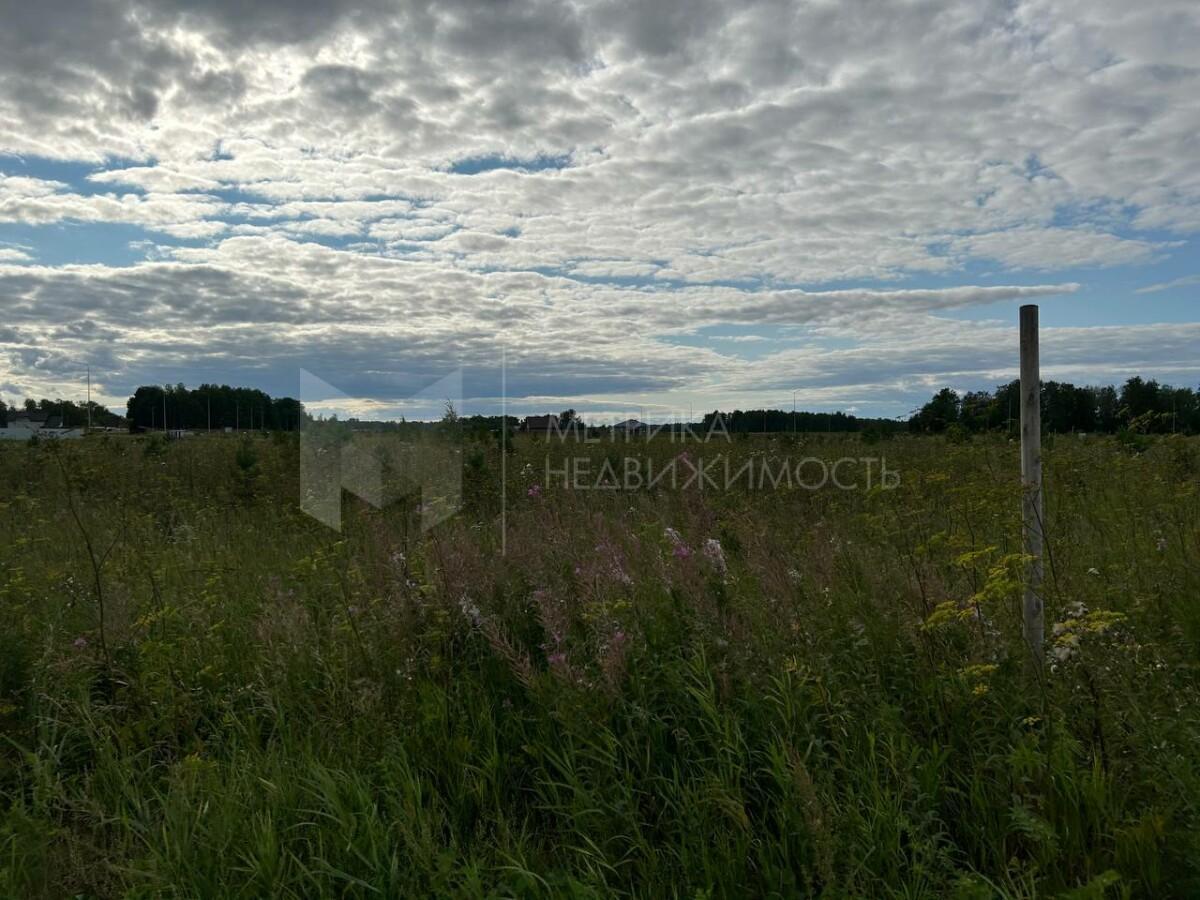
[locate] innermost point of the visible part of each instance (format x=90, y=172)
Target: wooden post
x=1031, y=484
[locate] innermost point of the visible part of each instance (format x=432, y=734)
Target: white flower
x=672, y=535
x=1093, y=571
x=716, y=555
x=1161, y=545
x=470, y=610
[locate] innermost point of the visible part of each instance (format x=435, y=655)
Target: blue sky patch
x=474, y=165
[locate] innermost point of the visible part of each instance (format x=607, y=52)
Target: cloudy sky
x=640, y=206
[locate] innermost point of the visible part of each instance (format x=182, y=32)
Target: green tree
x=939, y=413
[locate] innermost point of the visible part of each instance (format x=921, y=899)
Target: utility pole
x=237, y=412
x=89, y=398
x=209, y=399
x=794, y=409
x=164, y=412
x=1031, y=484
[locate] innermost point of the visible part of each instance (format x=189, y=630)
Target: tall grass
x=836, y=706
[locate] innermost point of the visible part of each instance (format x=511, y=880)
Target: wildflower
x=680, y=550
x=793, y=575
x=557, y=658
x=470, y=610
x=80, y=643
x=1093, y=571
x=620, y=575
x=1161, y=544
x=715, y=554
x=1062, y=652
x=535, y=490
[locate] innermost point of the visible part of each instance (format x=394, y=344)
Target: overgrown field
x=654, y=693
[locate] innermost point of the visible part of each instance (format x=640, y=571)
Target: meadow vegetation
x=653, y=693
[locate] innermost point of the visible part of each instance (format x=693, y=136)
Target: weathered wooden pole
x=1031, y=483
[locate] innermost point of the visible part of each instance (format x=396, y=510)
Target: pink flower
x=80, y=643
x=681, y=551
x=535, y=490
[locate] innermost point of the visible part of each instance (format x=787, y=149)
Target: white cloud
x=741, y=152
x=1038, y=248
x=1185, y=281
x=376, y=326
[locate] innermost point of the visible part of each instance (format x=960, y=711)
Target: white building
x=24, y=425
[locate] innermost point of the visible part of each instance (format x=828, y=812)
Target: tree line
x=1140, y=405
x=749, y=421
x=175, y=407
x=70, y=413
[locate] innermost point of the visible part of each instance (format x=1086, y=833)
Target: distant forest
x=1141, y=406
x=211, y=406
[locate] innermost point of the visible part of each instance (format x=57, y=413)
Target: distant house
x=630, y=426
x=17, y=430
x=540, y=425
x=23, y=426
x=29, y=420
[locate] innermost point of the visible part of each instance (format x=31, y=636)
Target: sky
x=648, y=208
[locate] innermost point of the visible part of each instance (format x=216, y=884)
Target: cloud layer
x=379, y=192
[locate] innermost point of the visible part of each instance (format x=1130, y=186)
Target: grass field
x=653, y=693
